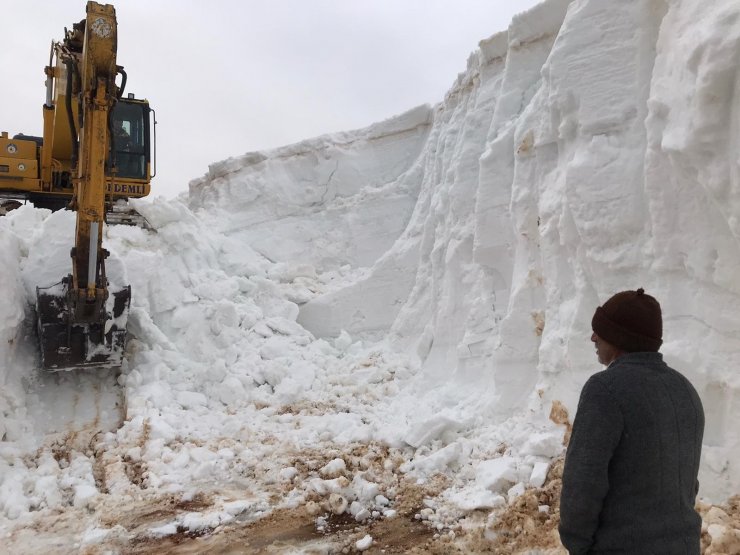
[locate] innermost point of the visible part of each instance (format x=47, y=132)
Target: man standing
x=630, y=476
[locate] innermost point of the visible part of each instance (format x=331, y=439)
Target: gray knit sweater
x=630, y=477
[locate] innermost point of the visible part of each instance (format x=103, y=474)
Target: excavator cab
x=129, y=156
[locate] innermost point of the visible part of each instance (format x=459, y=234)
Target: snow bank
x=12, y=316
x=420, y=290
x=588, y=150
x=334, y=200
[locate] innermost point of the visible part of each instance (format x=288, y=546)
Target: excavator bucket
x=66, y=345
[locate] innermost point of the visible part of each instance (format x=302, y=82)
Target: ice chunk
x=497, y=475
x=364, y=543
x=437, y=426
x=333, y=468
x=191, y=399
x=543, y=444
x=539, y=474
x=515, y=491
x=338, y=503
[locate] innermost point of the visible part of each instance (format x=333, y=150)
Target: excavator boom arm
x=83, y=325
x=98, y=93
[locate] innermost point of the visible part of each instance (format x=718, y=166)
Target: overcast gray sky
x=232, y=76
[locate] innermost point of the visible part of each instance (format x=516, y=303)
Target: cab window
x=129, y=140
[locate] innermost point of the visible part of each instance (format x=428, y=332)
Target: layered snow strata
x=12, y=316
x=329, y=201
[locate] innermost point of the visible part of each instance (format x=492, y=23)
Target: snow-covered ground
x=395, y=321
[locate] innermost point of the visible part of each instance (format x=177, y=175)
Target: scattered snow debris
x=438, y=461
x=721, y=527
x=191, y=399
x=436, y=427
x=164, y=530
x=235, y=508
x=334, y=468
x=343, y=342
x=498, y=474
x=337, y=503
x=472, y=499
x=288, y=473
x=364, y=543
x=515, y=492
x=543, y=444
x=312, y=508
x=394, y=321
x=84, y=495
x=99, y=535
x=359, y=512
x=539, y=474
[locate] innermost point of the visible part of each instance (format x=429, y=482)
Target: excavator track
x=9, y=203
x=121, y=213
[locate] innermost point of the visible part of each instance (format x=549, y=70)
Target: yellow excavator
x=95, y=152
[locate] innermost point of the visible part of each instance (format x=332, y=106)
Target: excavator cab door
x=130, y=139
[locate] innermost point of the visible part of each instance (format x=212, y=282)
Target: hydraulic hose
x=112, y=137
x=124, y=78
x=70, y=115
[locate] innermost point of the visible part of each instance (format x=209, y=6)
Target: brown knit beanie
x=631, y=321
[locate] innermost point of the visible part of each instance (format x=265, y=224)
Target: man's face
x=606, y=352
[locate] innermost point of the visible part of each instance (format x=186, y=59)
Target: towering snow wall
x=12, y=316
x=591, y=148
x=330, y=201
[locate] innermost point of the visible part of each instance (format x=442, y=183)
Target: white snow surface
x=426, y=284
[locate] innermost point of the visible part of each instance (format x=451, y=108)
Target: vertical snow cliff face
x=591, y=148
x=12, y=315
x=330, y=201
